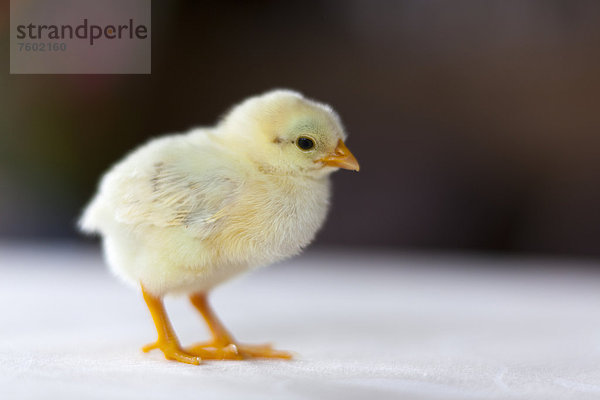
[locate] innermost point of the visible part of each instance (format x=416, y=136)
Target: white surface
x=364, y=326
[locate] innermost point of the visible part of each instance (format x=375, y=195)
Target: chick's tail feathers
x=89, y=222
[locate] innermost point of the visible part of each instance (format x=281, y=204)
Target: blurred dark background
x=477, y=123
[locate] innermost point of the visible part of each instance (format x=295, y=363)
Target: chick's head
x=283, y=132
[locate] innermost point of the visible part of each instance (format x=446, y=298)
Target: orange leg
x=167, y=341
x=223, y=346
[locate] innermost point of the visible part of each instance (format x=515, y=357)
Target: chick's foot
x=173, y=351
x=223, y=346
x=234, y=351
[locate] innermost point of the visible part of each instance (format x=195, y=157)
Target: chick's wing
x=191, y=192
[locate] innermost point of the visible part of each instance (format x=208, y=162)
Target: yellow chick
x=185, y=212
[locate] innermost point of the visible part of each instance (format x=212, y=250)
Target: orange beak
x=341, y=158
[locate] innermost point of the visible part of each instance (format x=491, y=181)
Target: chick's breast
x=183, y=213
x=274, y=218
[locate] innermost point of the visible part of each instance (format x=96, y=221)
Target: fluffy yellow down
x=184, y=212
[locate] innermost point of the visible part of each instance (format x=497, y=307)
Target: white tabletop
x=363, y=324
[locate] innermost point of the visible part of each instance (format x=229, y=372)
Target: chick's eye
x=305, y=143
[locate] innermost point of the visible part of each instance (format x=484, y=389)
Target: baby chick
x=185, y=212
